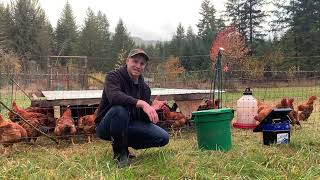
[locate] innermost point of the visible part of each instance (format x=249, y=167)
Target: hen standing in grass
x=177, y=117
x=263, y=111
x=34, y=119
x=10, y=133
x=87, y=124
x=208, y=104
x=288, y=103
x=31, y=112
x=65, y=125
x=306, y=108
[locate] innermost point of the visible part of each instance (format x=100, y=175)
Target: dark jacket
x=120, y=89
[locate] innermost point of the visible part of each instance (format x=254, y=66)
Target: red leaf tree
x=234, y=45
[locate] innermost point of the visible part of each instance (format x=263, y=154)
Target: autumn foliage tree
x=171, y=68
x=234, y=45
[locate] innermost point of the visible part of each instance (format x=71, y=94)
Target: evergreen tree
x=247, y=16
x=255, y=16
x=306, y=27
x=103, y=26
x=66, y=35
x=45, y=41
x=208, y=25
x=160, y=50
x=27, y=32
x=190, y=48
x=94, y=39
x=3, y=23
x=178, y=41
x=300, y=21
x=234, y=14
x=121, y=41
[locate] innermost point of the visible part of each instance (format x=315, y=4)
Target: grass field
x=180, y=159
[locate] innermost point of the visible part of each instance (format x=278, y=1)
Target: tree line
x=294, y=31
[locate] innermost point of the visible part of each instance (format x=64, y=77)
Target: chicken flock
x=18, y=130
x=65, y=127
x=301, y=113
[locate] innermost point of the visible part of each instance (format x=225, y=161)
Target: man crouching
x=125, y=114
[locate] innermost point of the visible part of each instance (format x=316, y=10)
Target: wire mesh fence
x=81, y=90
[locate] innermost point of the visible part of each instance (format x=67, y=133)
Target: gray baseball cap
x=134, y=52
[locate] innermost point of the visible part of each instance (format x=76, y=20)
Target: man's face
x=136, y=65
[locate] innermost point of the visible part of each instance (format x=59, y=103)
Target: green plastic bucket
x=213, y=128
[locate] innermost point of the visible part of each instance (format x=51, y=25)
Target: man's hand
x=149, y=110
x=157, y=104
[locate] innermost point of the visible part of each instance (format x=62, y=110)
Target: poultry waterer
x=247, y=109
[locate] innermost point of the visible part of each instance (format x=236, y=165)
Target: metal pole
x=14, y=82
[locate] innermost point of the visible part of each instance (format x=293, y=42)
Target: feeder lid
x=213, y=115
x=247, y=91
x=278, y=113
x=212, y=111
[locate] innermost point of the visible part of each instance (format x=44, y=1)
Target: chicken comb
x=284, y=102
x=67, y=112
x=165, y=107
x=14, y=105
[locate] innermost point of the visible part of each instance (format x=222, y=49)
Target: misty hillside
x=139, y=41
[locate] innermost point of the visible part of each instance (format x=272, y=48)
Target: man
x=125, y=114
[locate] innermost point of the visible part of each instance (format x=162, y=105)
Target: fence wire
x=267, y=86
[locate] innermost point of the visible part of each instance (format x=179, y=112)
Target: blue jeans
x=117, y=127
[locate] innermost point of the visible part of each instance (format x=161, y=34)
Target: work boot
x=121, y=156
x=130, y=155
x=123, y=159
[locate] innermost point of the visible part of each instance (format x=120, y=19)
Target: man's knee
x=119, y=119
x=163, y=139
x=118, y=114
x=119, y=111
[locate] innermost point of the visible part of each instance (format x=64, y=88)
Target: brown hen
x=32, y=118
x=288, y=103
x=31, y=112
x=65, y=126
x=306, y=108
x=10, y=133
x=263, y=111
x=208, y=104
x=177, y=119
x=87, y=124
